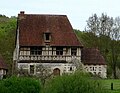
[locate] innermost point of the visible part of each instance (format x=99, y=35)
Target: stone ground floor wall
x=61, y=68
x=100, y=70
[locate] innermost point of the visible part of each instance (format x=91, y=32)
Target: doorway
x=56, y=71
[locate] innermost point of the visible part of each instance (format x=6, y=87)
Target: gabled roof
x=92, y=56
x=2, y=63
x=32, y=28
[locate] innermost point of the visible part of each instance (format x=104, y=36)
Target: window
x=99, y=68
x=95, y=68
x=59, y=51
x=36, y=50
x=31, y=69
x=86, y=68
x=24, y=50
x=71, y=69
x=74, y=51
x=47, y=35
x=91, y=69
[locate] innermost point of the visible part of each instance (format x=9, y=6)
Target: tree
x=43, y=73
x=88, y=39
x=77, y=63
x=93, y=24
x=7, y=39
x=107, y=29
x=115, y=49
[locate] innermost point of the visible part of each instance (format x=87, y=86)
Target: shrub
x=74, y=83
x=19, y=85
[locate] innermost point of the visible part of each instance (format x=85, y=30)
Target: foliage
x=74, y=83
x=88, y=39
x=43, y=73
x=20, y=85
x=7, y=39
x=109, y=48
x=78, y=64
x=104, y=33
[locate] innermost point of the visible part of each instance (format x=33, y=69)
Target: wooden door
x=56, y=71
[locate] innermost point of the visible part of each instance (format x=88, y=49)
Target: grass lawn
x=107, y=85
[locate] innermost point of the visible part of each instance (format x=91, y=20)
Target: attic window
x=47, y=37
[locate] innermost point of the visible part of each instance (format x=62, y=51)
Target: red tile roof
x=2, y=63
x=32, y=28
x=92, y=56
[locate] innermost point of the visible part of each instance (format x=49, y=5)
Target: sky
x=77, y=11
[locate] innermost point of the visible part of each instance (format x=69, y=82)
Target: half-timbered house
x=47, y=40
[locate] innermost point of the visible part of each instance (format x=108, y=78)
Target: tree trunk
x=114, y=71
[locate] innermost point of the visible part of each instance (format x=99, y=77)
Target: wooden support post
x=111, y=86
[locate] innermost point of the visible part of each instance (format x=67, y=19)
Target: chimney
x=21, y=15
x=22, y=12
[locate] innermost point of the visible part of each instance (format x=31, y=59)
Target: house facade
x=3, y=68
x=94, y=62
x=47, y=40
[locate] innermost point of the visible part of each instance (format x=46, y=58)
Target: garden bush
x=20, y=85
x=74, y=83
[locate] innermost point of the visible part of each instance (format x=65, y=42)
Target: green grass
x=107, y=85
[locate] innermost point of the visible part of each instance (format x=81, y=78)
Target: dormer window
x=47, y=37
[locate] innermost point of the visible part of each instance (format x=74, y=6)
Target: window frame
x=59, y=50
x=35, y=50
x=74, y=51
x=47, y=37
x=32, y=69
